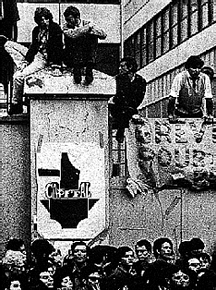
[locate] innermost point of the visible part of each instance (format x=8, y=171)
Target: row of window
x=180, y=20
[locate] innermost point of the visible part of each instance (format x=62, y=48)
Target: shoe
x=3, y=40
x=15, y=109
x=89, y=76
x=77, y=75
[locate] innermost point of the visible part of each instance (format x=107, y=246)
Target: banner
x=71, y=190
x=163, y=155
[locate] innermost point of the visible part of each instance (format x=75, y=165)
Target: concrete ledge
x=46, y=82
x=21, y=118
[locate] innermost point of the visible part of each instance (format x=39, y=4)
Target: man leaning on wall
x=191, y=94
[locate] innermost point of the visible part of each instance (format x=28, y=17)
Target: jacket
x=54, y=44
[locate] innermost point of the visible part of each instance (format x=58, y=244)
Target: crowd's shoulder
x=106, y=267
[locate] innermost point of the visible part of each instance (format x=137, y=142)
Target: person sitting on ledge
x=81, y=41
x=130, y=91
x=191, y=95
x=46, y=49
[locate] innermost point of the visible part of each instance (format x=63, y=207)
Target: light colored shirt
x=83, y=28
x=178, y=81
x=190, y=94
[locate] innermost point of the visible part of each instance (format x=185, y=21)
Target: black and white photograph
x=108, y=144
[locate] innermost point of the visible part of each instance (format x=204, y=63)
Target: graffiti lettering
x=53, y=191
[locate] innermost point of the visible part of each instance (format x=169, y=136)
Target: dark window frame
x=181, y=18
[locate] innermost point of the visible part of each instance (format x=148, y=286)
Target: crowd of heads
x=108, y=267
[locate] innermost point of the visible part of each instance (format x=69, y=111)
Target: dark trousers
x=81, y=52
x=121, y=115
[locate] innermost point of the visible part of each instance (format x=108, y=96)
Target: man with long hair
x=45, y=49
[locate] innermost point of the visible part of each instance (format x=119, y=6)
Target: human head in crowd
x=14, y=263
x=205, y=260
x=125, y=257
x=194, y=264
x=45, y=279
x=143, y=250
x=93, y=279
x=72, y=16
x=62, y=279
x=43, y=17
x=14, y=281
x=55, y=258
x=207, y=69
x=196, y=246
x=179, y=279
x=163, y=249
x=16, y=245
x=193, y=65
x=80, y=252
x=103, y=258
x=127, y=65
x=41, y=249
x=184, y=249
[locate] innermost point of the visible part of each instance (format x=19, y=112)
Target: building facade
x=161, y=35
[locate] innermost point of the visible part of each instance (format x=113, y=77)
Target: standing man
x=143, y=250
x=124, y=277
x=77, y=266
x=46, y=49
x=191, y=95
x=130, y=91
x=81, y=41
x=155, y=277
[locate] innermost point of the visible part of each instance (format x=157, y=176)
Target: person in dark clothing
x=157, y=273
x=206, y=277
x=196, y=247
x=143, y=250
x=46, y=49
x=102, y=258
x=77, y=267
x=124, y=276
x=130, y=91
x=184, y=252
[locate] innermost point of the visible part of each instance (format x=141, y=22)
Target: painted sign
x=71, y=190
x=163, y=155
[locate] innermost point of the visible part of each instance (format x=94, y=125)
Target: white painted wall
x=106, y=16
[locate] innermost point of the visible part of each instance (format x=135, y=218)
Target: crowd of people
x=105, y=267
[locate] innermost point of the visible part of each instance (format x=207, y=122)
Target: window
x=137, y=45
x=183, y=20
x=174, y=16
x=194, y=17
x=129, y=46
x=158, y=36
x=213, y=10
x=150, y=41
x=143, y=47
x=165, y=30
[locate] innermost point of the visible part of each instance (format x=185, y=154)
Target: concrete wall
x=15, y=180
x=147, y=216
x=70, y=124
